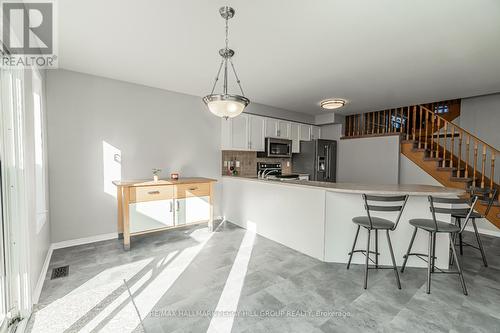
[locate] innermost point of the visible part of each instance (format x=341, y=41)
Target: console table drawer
x=151, y=193
x=192, y=190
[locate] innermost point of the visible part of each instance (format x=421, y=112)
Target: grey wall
x=39, y=240
x=369, y=160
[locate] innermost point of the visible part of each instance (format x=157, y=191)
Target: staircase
x=450, y=154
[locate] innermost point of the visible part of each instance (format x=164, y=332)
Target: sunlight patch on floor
x=222, y=321
x=63, y=312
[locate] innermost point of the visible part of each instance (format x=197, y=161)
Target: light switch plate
x=225, y=164
x=287, y=164
x=237, y=164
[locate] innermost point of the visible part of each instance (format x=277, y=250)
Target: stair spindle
x=467, y=155
x=378, y=122
x=426, y=120
x=444, y=144
x=407, y=123
x=452, y=146
x=432, y=135
x=492, y=171
x=474, y=165
x=438, y=131
x=373, y=122
x=459, y=153
x=483, y=164
x=420, y=128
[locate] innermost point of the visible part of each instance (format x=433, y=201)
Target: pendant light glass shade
x=226, y=105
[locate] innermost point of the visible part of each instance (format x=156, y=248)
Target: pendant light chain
x=226, y=105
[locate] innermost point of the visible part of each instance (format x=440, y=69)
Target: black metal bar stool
x=475, y=215
x=433, y=226
x=376, y=223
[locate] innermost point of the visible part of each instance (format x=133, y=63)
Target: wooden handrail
x=464, y=130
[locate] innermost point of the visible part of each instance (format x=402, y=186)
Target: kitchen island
x=315, y=217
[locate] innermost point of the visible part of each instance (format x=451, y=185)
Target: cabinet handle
x=154, y=192
x=177, y=206
x=171, y=207
x=193, y=188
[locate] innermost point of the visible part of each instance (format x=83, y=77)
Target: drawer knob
x=154, y=192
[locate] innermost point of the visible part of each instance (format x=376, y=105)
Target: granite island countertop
x=381, y=189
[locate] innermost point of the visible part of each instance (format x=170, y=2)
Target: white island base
x=315, y=218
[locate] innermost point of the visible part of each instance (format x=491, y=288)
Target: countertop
x=382, y=189
x=149, y=182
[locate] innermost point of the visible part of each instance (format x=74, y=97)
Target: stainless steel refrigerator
x=318, y=159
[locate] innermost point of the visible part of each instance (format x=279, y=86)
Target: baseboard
x=85, y=240
x=494, y=233
x=41, y=278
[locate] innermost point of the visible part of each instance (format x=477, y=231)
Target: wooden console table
x=174, y=193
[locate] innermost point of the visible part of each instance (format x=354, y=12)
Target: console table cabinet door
x=192, y=210
x=151, y=215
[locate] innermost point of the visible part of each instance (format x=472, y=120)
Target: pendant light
x=226, y=105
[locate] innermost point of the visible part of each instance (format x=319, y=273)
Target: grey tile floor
x=178, y=277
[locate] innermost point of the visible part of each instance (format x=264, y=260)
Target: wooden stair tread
x=460, y=179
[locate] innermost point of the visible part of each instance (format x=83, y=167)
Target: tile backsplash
x=248, y=162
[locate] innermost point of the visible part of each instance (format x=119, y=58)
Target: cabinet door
x=257, y=128
x=295, y=137
x=271, y=127
x=239, y=132
x=192, y=210
x=305, y=132
x=151, y=215
x=284, y=129
x=315, y=132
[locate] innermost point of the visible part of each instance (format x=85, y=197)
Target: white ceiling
x=291, y=54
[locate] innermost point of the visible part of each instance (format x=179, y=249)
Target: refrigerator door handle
x=327, y=162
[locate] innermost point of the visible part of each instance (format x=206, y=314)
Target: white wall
x=481, y=116
x=373, y=160
x=269, y=111
x=150, y=128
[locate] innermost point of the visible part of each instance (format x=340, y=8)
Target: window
x=38, y=131
x=441, y=109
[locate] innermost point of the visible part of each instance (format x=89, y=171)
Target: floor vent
x=59, y=272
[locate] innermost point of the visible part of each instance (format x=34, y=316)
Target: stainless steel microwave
x=278, y=148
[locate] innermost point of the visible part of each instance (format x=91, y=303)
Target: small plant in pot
x=156, y=174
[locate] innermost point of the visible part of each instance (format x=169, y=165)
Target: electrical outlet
x=237, y=164
x=287, y=164
x=225, y=164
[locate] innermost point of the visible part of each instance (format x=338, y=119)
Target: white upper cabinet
x=271, y=128
x=305, y=132
x=315, y=132
x=256, y=132
x=248, y=132
x=283, y=129
x=239, y=132
x=295, y=137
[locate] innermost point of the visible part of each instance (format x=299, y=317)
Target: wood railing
x=455, y=148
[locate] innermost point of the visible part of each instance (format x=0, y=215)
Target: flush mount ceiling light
x=331, y=104
x=226, y=105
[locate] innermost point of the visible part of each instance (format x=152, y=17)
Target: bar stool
x=376, y=223
x=433, y=226
x=475, y=215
